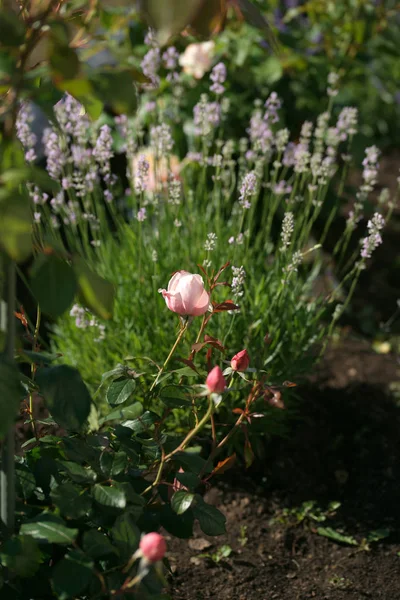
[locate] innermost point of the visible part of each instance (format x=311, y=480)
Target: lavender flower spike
x=373, y=240
x=218, y=77
x=247, y=189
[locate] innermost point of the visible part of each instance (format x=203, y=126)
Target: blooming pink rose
x=241, y=361
x=186, y=294
x=153, y=546
x=215, y=380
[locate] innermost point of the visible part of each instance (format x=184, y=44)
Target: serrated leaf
x=174, y=396
x=113, y=464
x=181, y=501
x=97, y=544
x=66, y=395
x=127, y=412
x=211, y=520
x=109, y=496
x=72, y=574
x=49, y=528
x=120, y=391
x=53, y=284
x=126, y=535
x=192, y=462
x=142, y=423
x=71, y=501
x=77, y=472
x=21, y=555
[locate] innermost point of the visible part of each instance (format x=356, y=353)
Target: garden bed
x=345, y=448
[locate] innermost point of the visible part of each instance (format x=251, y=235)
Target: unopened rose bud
x=186, y=294
x=153, y=546
x=216, y=381
x=241, y=361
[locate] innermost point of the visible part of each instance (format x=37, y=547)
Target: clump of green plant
x=252, y=203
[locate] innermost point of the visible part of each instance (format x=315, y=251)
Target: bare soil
x=345, y=447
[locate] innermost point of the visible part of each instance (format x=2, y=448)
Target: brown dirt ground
x=345, y=447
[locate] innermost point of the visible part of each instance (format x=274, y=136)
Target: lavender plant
x=252, y=202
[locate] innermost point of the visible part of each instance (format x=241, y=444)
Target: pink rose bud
x=216, y=381
x=186, y=294
x=153, y=546
x=241, y=361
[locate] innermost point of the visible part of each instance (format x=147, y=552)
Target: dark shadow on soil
x=345, y=447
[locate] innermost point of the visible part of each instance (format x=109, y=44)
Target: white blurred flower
x=197, y=58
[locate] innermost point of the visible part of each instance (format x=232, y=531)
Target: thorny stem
x=182, y=445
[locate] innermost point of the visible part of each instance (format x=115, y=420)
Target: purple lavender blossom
x=170, y=58
x=218, y=77
x=141, y=214
x=142, y=175
x=374, y=239
x=289, y=155
x=272, y=105
x=161, y=139
x=24, y=132
x=347, y=123
x=56, y=157
x=72, y=119
x=206, y=116
x=150, y=65
x=370, y=171
x=260, y=132
x=108, y=196
x=102, y=151
x=282, y=188
x=247, y=189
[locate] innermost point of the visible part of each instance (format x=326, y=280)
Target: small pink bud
x=153, y=546
x=241, y=361
x=216, y=381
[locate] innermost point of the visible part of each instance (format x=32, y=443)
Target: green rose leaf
x=126, y=535
x=109, y=496
x=77, y=472
x=70, y=500
x=96, y=544
x=143, y=423
x=127, y=412
x=53, y=284
x=66, y=395
x=113, y=464
x=72, y=575
x=181, y=501
x=120, y=391
x=49, y=528
x=192, y=462
x=21, y=555
x=211, y=520
x=174, y=396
